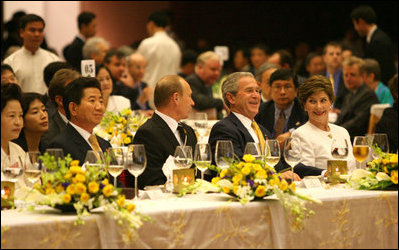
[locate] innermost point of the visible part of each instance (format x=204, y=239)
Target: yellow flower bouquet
x=119, y=128
x=252, y=180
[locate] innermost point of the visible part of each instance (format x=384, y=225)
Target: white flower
x=381, y=176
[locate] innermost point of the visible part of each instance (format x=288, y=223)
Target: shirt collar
x=85, y=134
x=63, y=117
x=172, y=123
x=244, y=120
x=287, y=111
x=26, y=51
x=370, y=34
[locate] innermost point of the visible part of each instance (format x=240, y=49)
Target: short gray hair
x=230, y=84
x=262, y=68
x=203, y=57
x=91, y=46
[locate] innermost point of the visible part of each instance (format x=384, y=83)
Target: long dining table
x=346, y=218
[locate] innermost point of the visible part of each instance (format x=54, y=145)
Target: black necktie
x=182, y=133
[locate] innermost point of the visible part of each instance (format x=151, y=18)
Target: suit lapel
x=240, y=127
x=163, y=126
x=77, y=138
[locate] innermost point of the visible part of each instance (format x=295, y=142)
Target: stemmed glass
x=94, y=158
x=116, y=162
x=339, y=149
x=253, y=149
x=33, y=166
x=272, y=152
x=56, y=152
x=224, y=151
x=11, y=167
x=136, y=162
x=292, y=152
x=381, y=141
x=202, y=157
x=360, y=149
x=201, y=124
x=183, y=156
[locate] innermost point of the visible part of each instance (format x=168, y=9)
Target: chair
x=376, y=111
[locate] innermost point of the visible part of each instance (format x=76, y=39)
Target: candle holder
x=7, y=194
x=182, y=178
x=335, y=168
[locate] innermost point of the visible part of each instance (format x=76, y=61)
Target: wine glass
x=292, y=152
x=136, y=162
x=11, y=167
x=224, y=151
x=33, y=166
x=360, y=149
x=339, y=149
x=253, y=149
x=272, y=152
x=56, y=152
x=381, y=141
x=183, y=156
x=202, y=157
x=116, y=161
x=201, y=124
x=94, y=158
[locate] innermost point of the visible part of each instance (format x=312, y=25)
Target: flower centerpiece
x=252, y=180
x=69, y=187
x=381, y=173
x=119, y=128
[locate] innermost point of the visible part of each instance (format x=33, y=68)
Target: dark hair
x=372, y=66
x=29, y=18
x=102, y=66
x=57, y=84
x=188, y=56
x=51, y=68
x=364, y=12
x=28, y=98
x=310, y=57
x=74, y=91
x=165, y=88
x=332, y=44
x=9, y=91
x=393, y=87
x=285, y=58
x=245, y=52
x=261, y=46
x=159, y=17
x=284, y=74
x=315, y=84
x=85, y=18
x=113, y=52
x=5, y=67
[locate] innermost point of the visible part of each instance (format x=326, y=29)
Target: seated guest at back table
x=35, y=122
x=241, y=94
x=7, y=74
x=355, y=112
x=388, y=123
x=263, y=78
x=57, y=120
x=283, y=114
x=316, y=135
x=12, y=155
x=113, y=103
x=160, y=134
x=84, y=109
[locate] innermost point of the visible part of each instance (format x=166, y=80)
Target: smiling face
x=36, y=119
x=318, y=107
x=11, y=120
x=247, y=99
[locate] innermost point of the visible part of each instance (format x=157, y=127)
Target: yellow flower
x=68, y=175
x=80, y=178
x=226, y=190
x=75, y=170
x=248, y=165
x=243, y=182
x=123, y=135
x=84, y=197
x=292, y=186
x=110, y=130
x=236, y=179
x=121, y=201
x=107, y=190
x=257, y=167
x=74, y=163
x=385, y=161
x=260, y=191
x=66, y=198
x=50, y=191
x=127, y=140
x=246, y=170
x=80, y=188
x=59, y=189
x=235, y=189
x=215, y=180
x=105, y=182
x=93, y=187
x=261, y=174
x=283, y=185
x=393, y=158
x=37, y=186
x=248, y=158
x=223, y=173
x=386, y=170
x=273, y=182
x=394, y=176
x=71, y=189
x=130, y=207
x=241, y=164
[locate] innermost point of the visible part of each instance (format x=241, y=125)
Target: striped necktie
x=259, y=133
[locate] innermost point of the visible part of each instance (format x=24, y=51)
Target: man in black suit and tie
x=84, y=109
x=378, y=44
x=164, y=132
x=73, y=52
x=283, y=114
x=355, y=112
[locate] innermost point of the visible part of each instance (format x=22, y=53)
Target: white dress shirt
x=29, y=68
x=85, y=134
x=248, y=125
x=163, y=57
x=172, y=123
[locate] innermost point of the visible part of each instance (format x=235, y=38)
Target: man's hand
x=281, y=138
x=127, y=80
x=288, y=175
x=147, y=93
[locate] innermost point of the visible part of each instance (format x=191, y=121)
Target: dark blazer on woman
x=388, y=124
x=21, y=141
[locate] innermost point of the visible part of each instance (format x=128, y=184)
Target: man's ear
x=175, y=97
x=230, y=97
x=73, y=108
x=58, y=100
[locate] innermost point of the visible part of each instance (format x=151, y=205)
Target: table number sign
x=312, y=182
x=88, y=68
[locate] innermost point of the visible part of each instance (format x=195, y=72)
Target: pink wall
x=122, y=22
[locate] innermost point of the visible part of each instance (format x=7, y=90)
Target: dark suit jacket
x=355, y=112
x=388, y=124
x=231, y=128
x=73, y=143
x=381, y=49
x=159, y=142
x=73, y=52
x=56, y=125
x=265, y=117
x=202, y=95
x=21, y=141
x=341, y=93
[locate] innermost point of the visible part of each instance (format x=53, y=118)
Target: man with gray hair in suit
x=95, y=48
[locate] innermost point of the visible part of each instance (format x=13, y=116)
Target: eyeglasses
x=279, y=88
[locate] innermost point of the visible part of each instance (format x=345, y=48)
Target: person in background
x=29, y=62
x=317, y=134
x=187, y=66
x=87, y=24
x=35, y=122
x=12, y=155
x=95, y=48
x=8, y=75
x=282, y=58
x=113, y=103
x=314, y=64
x=259, y=55
x=388, y=123
x=371, y=77
x=242, y=60
x=263, y=77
